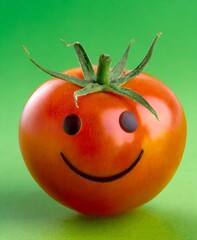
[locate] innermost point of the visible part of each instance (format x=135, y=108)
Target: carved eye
x=128, y=122
x=71, y=124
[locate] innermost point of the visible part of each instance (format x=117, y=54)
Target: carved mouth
x=102, y=179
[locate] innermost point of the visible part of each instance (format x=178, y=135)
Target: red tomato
x=108, y=155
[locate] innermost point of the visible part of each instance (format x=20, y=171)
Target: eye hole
x=128, y=122
x=71, y=124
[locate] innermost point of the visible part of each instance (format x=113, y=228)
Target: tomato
x=106, y=154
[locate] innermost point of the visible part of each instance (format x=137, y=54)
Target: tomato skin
x=101, y=147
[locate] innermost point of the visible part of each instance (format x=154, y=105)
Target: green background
x=26, y=212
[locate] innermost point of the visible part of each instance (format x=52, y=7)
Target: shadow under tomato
x=138, y=224
x=34, y=213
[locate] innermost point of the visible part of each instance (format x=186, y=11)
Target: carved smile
x=102, y=179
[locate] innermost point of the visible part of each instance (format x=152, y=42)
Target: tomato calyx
x=105, y=79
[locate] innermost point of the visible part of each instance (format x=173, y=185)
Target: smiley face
x=72, y=125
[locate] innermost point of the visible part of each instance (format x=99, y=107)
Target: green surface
x=26, y=212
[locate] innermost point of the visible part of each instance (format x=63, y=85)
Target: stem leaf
x=74, y=80
x=118, y=69
x=139, y=68
x=90, y=88
x=85, y=62
x=134, y=96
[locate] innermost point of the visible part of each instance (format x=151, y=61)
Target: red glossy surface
x=101, y=147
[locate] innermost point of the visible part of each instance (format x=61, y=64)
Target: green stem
x=103, y=70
